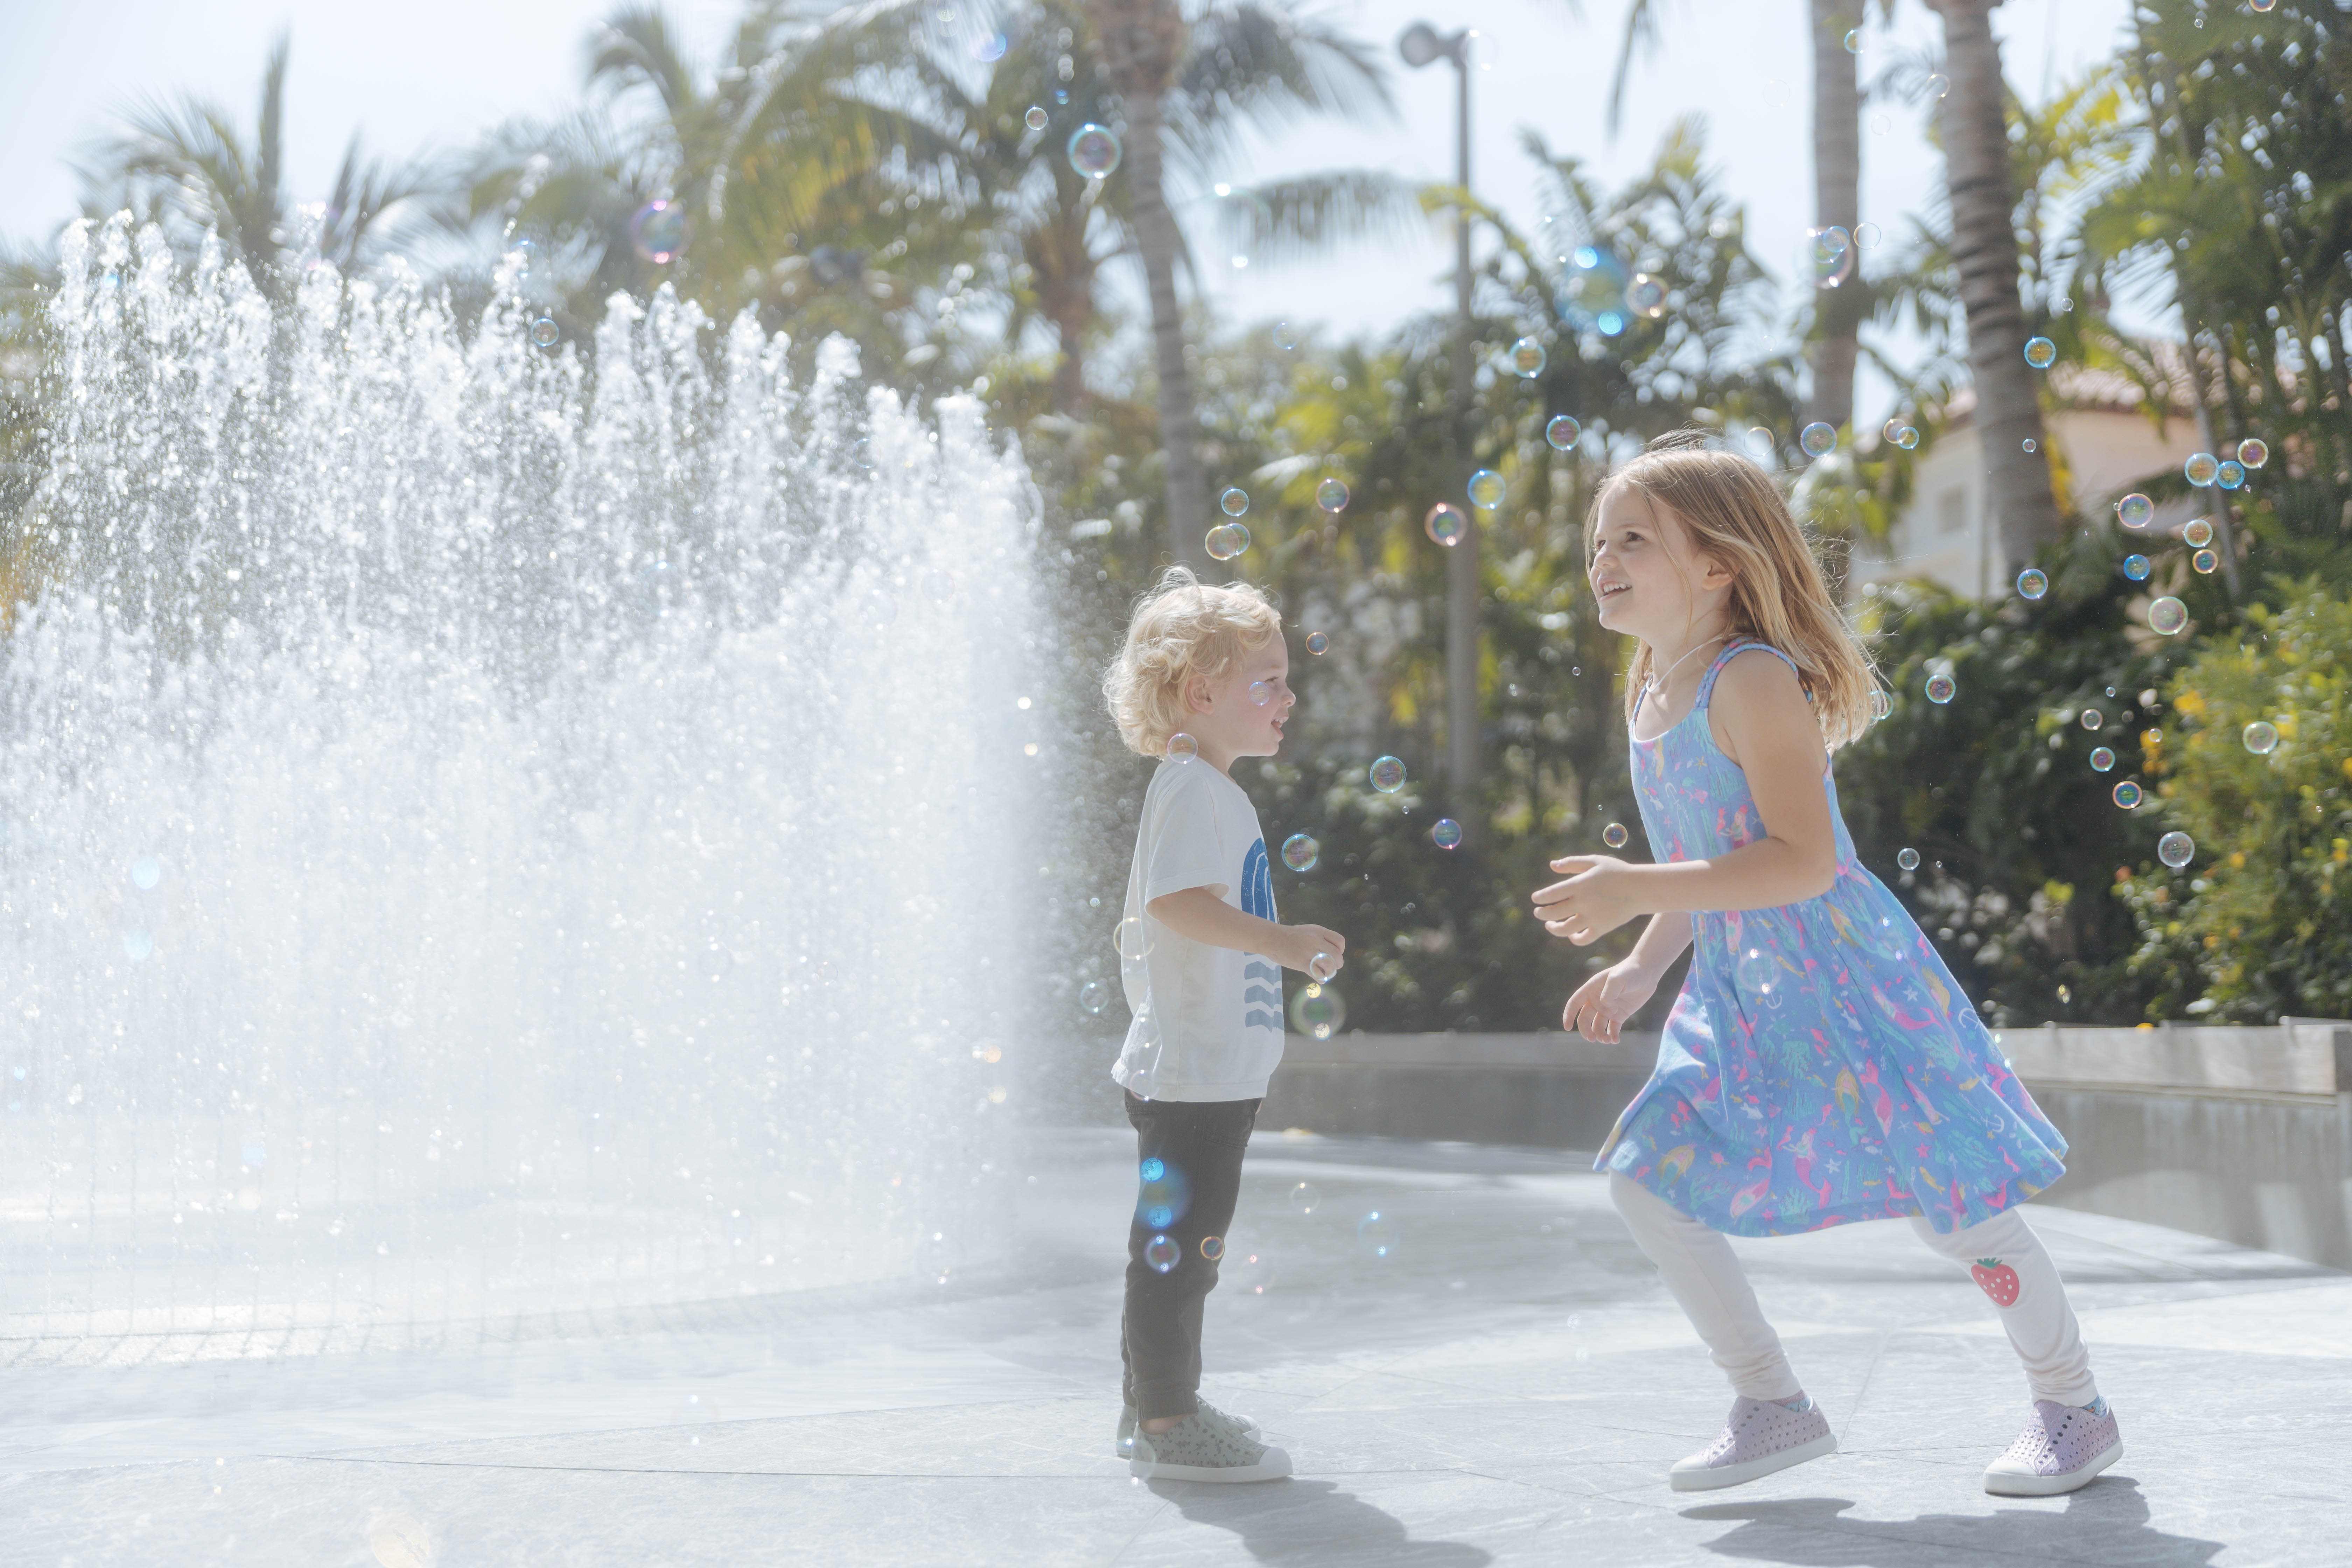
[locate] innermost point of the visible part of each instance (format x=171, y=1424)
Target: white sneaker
x=1759, y=1437
x=1198, y=1449
x=2063, y=1447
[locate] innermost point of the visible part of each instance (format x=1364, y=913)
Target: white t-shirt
x=1208, y=1020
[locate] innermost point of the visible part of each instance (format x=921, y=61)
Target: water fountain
x=487, y=831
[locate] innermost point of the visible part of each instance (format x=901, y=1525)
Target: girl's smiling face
x=1647, y=580
x=1243, y=715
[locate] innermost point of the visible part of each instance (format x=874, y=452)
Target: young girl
x=1820, y=1065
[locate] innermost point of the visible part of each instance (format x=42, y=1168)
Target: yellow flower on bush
x=2189, y=702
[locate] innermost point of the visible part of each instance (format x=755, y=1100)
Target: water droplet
x=1388, y=775
x=2175, y=849
x=1445, y=523
x=1332, y=495
x=1908, y=859
x=1561, y=432
x=2040, y=353
x=2167, y=615
x=2032, y=583
x=1299, y=852
x=1446, y=833
x=1819, y=440
x=1094, y=150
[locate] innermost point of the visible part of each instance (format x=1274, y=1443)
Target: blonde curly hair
x=1181, y=628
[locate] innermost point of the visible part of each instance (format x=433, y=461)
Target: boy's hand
x=1597, y=897
x=1602, y=1003
x=1304, y=944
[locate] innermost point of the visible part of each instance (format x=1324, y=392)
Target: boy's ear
x=1196, y=694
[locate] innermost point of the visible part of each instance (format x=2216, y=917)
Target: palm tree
x=1984, y=253
x=186, y=166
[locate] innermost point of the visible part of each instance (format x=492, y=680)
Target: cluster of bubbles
x=1901, y=433
x=1833, y=254
x=1226, y=541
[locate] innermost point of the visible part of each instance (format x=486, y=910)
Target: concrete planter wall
x=2241, y=1133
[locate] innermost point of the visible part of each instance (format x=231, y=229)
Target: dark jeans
x=1189, y=1163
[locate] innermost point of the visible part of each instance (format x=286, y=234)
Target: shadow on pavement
x=1312, y=1524
x=2107, y=1521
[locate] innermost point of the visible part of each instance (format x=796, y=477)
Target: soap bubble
x=1865, y=235
x=145, y=872
x=1939, y=85
x=1854, y=40
x=1332, y=495
x=1306, y=1197
x=1317, y=643
x=1213, y=1247
x=1818, y=439
x=545, y=332
x=1318, y=1012
x=1561, y=432
x=1094, y=996
x=1593, y=291
x=2127, y=794
x=1226, y=541
x=659, y=232
x=2102, y=759
x=1234, y=501
x=2198, y=532
x=1261, y=692
x=1285, y=336
x=2261, y=737
x=1250, y=1274
x=2201, y=468
x=1832, y=249
x=2230, y=476
x=1094, y=150
x=2093, y=718
x=1445, y=523
x=2040, y=353
x=2263, y=5
x=2253, y=452
x=1131, y=938
x=1320, y=969
x=1646, y=296
x=2029, y=445
x=2167, y=615
x=2136, y=567
x=1757, y=973
x=1161, y=1252
x=2204, y=561
x=137, y=945
x=1907, y=857
x=1377, y=1234
x=1487, y=489
x=1299, y=852
x=1446, y=833
x=1526, y=358
x=1941, y=688
x=2175, y=849
x=2032, y=583
x=1182, y=748
x=2135, y=511
x=1388, y=775
x=1907, y=437
x=989, y=47
x=1035, y=119
x=1881, y=704
x=1615, y=835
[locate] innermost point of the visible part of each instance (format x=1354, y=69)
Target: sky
x=447, y=69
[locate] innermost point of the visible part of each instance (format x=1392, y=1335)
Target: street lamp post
x=1422, y=44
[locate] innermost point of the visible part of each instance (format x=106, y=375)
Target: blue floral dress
x=1821, y=1064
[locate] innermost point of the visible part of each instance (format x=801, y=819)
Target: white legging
x=1701, y=1270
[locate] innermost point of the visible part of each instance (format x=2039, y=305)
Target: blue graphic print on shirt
x=1261, y=980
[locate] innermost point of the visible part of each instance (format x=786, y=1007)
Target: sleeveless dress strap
x=1706, y=681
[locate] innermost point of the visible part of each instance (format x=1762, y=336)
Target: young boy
x=1201, y=680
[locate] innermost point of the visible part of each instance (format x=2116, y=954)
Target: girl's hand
x=1598, y=897
x=1602, y=1003
x=1304, y=946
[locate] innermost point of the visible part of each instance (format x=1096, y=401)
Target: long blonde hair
x=1736, y=516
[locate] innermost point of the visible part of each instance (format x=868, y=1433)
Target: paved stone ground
x=1507, y=1386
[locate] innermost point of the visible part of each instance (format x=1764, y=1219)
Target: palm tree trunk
x=1984, y=251
x=1142, y=41
x=1837, y=200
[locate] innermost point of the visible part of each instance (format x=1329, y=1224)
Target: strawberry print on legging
x=1998, y=1280
x=1820, y=1065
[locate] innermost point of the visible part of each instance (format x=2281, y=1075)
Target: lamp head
x=1420, y=45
